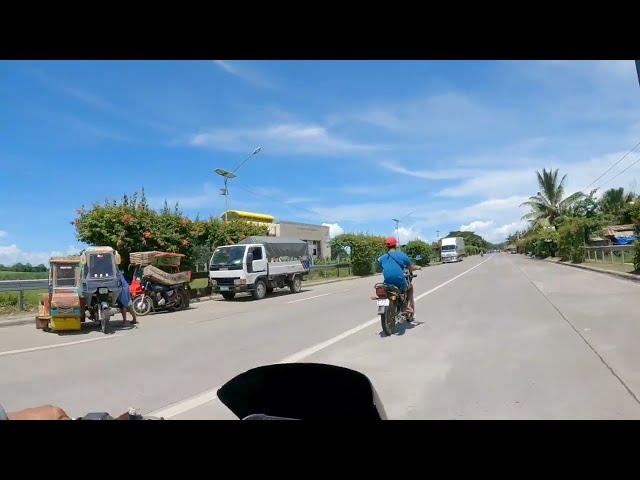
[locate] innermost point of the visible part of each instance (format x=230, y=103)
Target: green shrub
x=364, y=251
x=571, y=239
x=130, y=226
x=636, y=257
x=418, y=247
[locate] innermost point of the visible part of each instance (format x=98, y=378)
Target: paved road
x=495, y=337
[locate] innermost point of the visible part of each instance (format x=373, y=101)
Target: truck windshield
x=101, y=265
x=65, y=276
x=448, y=247
x=228, y=255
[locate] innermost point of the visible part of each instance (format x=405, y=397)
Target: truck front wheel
x=260, y=290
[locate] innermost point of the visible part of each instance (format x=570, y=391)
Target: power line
x=621, y=172
x=616, y=163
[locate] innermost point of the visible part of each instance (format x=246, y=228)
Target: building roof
x=302, y=224
x=260, y=217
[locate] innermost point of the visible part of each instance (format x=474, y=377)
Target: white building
x=316, y=236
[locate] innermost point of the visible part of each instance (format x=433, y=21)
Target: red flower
x=185, y=221
x=146, y=234
x=185, y=243
x=126, y=218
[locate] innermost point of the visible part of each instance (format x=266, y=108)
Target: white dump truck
x=258, y=265
x=452, y=249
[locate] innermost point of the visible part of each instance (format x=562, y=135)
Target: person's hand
x=44, y=412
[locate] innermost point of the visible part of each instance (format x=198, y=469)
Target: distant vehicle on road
x=258, y=265
x=452, y=249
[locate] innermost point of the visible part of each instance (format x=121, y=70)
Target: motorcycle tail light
x=381, y=292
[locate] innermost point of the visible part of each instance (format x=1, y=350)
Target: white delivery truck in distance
x=452, y=249
x=258, y=265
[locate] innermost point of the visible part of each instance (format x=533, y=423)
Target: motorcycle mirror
x=303, y=391
x=249, y=257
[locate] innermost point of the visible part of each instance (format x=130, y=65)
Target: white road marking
x=56, y=345
x=309, y=298
x=210, y=395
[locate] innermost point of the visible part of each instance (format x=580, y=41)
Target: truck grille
x=225, y=281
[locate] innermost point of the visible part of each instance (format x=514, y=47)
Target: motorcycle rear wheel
x=388, y=319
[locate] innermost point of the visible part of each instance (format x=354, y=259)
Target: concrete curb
x=625, y=276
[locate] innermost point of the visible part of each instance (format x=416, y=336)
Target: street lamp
x=397, y=233
x=228, y=176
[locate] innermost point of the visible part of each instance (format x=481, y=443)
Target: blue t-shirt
x=125, y=297
x=392, y=270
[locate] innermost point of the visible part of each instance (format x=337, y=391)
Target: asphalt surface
x=498, y=337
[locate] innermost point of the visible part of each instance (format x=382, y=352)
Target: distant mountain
x=471, y=238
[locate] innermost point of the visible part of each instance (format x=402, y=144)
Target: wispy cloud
x=3, y=233
x=297, y=200
x=244, y=72
x=432, y=174
x=281, y=138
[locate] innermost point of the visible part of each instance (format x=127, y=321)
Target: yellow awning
x=256, y=217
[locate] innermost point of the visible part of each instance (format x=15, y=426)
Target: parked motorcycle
x=392, y=304
x=156, y=297
x=292, y=391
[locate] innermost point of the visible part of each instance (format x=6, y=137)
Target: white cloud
x=407, y=234
x=12, y=254
x=476, y=226
x=334, y=229
x=296, y=200
x=432, y=174
x=242, y=71
x=3, y=233
x=496, y=182
x=281, y=138
x=491, y=233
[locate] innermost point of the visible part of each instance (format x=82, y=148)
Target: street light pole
x=397, y=232
x=228, y=176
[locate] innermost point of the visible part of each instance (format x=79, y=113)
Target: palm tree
x=614, y=200
x=549, y=204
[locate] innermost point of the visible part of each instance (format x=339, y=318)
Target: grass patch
x=4, y=275
x=9, y=301
x=199, y=283
x=616, y=267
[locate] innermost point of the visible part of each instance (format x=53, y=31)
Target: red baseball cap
x=391, y=242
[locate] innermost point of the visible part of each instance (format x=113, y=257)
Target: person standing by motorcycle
x=124, y=300
x=393, y=264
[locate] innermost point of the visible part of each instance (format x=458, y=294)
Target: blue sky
x=441, y=145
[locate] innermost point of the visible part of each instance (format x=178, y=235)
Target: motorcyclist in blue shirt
x=393, y=264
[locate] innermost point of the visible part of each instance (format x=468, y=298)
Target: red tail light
x=381, y=292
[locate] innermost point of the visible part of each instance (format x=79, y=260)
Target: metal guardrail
x=20, y=285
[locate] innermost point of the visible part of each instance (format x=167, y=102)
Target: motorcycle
x=392, y=304
x=100, y=286
x=156, y=297
x=291, y=391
